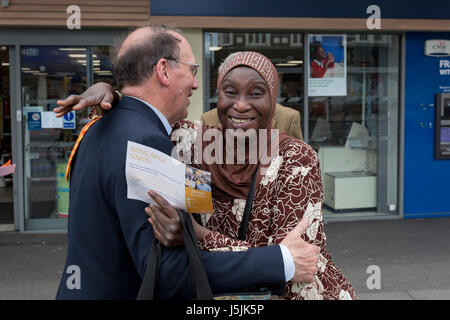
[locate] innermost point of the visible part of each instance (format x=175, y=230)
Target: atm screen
x=445, y=135
x=446, y=107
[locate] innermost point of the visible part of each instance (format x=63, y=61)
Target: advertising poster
x=327, y=68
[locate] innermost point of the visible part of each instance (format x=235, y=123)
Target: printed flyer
x=182, y=186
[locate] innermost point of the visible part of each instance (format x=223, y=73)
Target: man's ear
x=162, y=71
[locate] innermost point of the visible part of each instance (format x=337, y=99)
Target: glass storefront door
x=49, y=74
x=6, y=182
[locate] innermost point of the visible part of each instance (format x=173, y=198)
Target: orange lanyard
x=7, y=164
x=75, y=147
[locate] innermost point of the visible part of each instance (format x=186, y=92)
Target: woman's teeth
x=236, y=120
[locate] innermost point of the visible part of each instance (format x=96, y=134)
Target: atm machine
x=442, y=125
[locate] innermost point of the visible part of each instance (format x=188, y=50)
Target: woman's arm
x=100, y=96
x=301, y=194
x=216, y=241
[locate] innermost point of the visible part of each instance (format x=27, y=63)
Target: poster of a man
x=320, y=62
x=327, y=65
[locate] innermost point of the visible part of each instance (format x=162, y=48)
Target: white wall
x=195, y=38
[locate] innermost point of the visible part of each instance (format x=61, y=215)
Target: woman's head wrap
x=232, y=181
x=257, y=62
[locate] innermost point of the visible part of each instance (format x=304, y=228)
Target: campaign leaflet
x=184, y=187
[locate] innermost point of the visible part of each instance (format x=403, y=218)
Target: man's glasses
x=194, y=66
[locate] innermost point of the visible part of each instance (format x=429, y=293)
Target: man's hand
x=305, y=255
x=100, y=95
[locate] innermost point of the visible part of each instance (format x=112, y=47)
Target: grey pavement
x=413, y=257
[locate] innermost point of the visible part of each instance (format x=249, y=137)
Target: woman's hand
x=166, y=222
x=100, y=96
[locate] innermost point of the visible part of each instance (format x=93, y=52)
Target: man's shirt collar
x=159, y=114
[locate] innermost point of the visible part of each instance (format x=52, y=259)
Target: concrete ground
x=413, y=257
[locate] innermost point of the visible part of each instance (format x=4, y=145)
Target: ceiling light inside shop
x=72, y=49
x=4, y=48
x=95, y=63
x=77, y=55
x=296, y=61
x=286, y=65
x=25, y=69
x=80, y=55
x=215, y=48
x=5, y=64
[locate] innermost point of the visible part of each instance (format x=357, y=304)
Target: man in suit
x=285, y=119
x=109, y=235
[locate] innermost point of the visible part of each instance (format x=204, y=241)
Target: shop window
x=257, y=39
x=102, y=58
x=225, y=39
x=354, y=124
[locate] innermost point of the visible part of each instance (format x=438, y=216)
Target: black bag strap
x=147, y=290
x=200, y=283
x=248, y=208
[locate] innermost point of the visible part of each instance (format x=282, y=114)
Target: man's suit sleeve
x=227, y=271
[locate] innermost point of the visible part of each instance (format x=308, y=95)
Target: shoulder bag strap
x=200, y=283
x=147, y=290
x=248, y=208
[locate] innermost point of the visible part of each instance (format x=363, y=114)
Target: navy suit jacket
x=109, y=235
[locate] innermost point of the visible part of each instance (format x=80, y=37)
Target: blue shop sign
x=69, y=120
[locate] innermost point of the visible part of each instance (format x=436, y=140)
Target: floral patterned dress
x=290, y=189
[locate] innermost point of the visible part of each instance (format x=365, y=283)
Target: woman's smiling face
x=244, y=100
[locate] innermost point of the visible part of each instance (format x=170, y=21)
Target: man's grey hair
x=135, y=64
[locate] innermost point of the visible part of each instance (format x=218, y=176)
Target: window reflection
x=103, y=71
